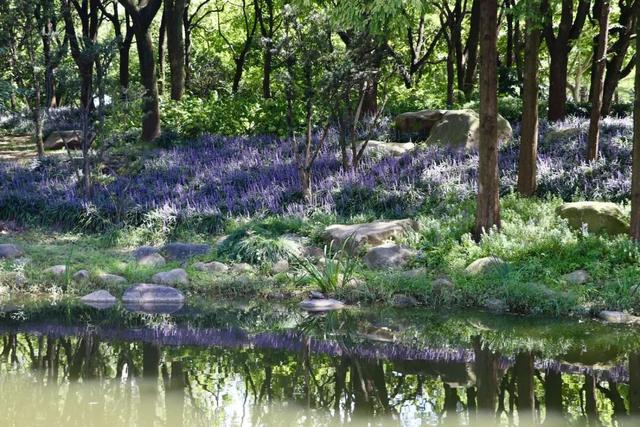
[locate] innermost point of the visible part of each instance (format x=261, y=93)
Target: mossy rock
x=599, y=217
x=461, y=128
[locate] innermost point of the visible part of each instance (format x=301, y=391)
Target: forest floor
x=16, y=148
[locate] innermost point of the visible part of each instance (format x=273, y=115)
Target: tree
x=269, y=24
x=142, y=16
x=175, y=46
x=635, y=166
x=488, y=207
x=559, y=46
x=602, y=8
x=124, y=44
x=191, y=21
x=527, y=181
x=83, y=49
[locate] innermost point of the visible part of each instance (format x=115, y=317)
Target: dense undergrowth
x=247, y=189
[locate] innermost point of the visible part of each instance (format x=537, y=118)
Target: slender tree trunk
x=151, y=107
x=527, y=180
x=598, y=81
x=488, y=208
x=472, y=47
x=450, y=76
x=524, y=372
x=634, y=383
x=266, y=70
x=486, y=363
x=186, y=24
x=161, y=42
x=635, y=170
x=123, y=69
x=175, y=46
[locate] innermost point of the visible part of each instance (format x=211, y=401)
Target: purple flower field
x=220, y=177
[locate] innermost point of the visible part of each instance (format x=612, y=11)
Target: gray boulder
x=100, y=296
x=143, y=251
x=56, y=270
x=320, y=305
x=281, y=266
x=177, y=276
x=242, y=268
x=442, y=285
x=372, y=233
x=416, y=125
x=617, y=317
x=599, y=217
x=10, y=251
x=59, y=139
x=388, y=255
x=461, y=128
x=211, y=267
x=185, y=251
x=484, y=265
x=151, y=293
x=387, y=148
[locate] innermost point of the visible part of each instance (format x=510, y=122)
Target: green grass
x=537, y=245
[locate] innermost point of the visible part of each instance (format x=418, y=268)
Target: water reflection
x=314, y=371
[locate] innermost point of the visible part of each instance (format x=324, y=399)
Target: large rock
x=56, y=270
x=10, y=251
x=153, y=260
x=80, y=276
x=185, y=251
x=387, y=148
x=173, y=277
x=484, y=265
x=319, y=305
x=617, y=317
x=100, y=299
x=577, y=277
x=60, y=138
x=599, y=217
x=150, y=293
x=416, y=125
x=388, y=255
x=403, y=301
x=144, y=251
x=461, y=128
x=373, y=233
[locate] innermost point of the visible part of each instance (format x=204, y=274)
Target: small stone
x=15, y=278
x=56, y=270
x=484, y=265
x=10, y=251
x=320, y=305
x=403, y=301
x=496, y=305
x=577, y=277
x=111, y=279
x=242, y=268
x=211, y=267
x=281, y=266
x=80, y=276
x=616, y=317
x=380, y=334
x=177, y=276
x=151, y=293
x=151, y=260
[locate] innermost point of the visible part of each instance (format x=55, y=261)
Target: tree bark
x=559, y=47
x=488, y=207
x=161, y=43
x=486, y=363
x=598, y=80
x=635, y=168
x=142, y=19
x=524, y=372
x=527, y=170
x=175, y=46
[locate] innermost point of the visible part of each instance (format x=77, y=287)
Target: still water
x=64, y=364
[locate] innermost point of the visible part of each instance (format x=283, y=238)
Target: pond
x=260, y=364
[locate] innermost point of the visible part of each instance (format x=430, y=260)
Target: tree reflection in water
x=325, y=370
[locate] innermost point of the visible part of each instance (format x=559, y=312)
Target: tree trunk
x=161, y=37
x=524, y=372
x=598, y=81
x=186, y=24
x=472, y=48
x=634, y=383
x=123, y=70
x=266, y=70
x=151, y=107
x=635, y=169
x=488, y=208
x=557, y=83
x=175, y=46
x=527, y=180
x=486, y=363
